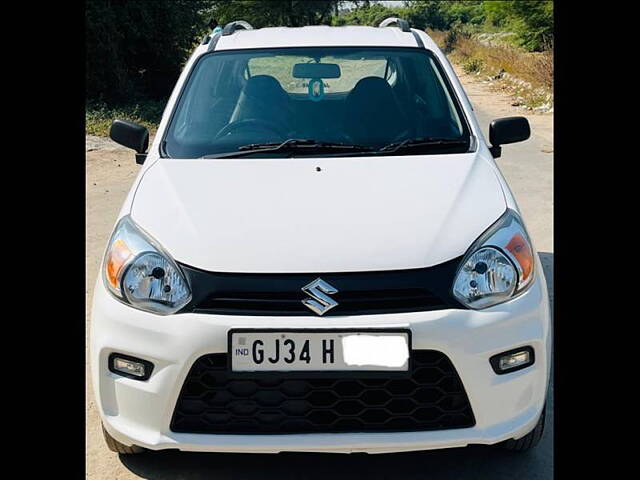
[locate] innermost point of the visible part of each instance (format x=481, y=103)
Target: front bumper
x=505, y=406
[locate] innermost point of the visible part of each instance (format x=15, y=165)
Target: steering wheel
x=250, y=123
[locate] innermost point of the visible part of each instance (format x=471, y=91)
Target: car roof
x=322, y=36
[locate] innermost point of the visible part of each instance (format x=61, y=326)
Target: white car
x=320, y=254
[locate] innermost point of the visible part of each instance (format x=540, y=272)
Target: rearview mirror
x=507, y=130
x=316, y=70
x=131, y=135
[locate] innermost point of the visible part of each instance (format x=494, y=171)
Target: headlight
x=139, y=272
x=498, y=266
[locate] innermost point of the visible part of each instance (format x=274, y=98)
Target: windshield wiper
x=291, y=145
x=422, y=142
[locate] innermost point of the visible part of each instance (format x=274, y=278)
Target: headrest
x=372, y=87
x=263, y=85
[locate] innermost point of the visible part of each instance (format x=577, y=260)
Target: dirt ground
x=528, y=167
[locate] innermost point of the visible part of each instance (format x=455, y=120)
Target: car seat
x=372, y=114
x=263, y=98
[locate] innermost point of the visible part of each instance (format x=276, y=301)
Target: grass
x=98, y=116
x=528, y=76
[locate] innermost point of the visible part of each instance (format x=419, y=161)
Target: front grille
x=359, y=293
x=285, y=303
x=214, y=400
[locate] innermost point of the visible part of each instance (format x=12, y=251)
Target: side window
x=448, y=102
x=192, y=109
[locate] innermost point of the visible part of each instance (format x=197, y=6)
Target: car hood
x=294, y=215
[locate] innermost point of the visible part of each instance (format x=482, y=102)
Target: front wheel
x=116, y=446
x=530, y=440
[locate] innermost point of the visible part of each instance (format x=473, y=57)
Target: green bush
x=473, y=65
x=450, y=40
x=98, y=116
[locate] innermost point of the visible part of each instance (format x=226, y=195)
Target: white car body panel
x=316, y=36
x=356, y=214
x=506, y=406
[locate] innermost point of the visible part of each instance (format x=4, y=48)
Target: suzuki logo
x=319, y=302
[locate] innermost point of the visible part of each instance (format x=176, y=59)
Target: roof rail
x=403, y=24
x=230, y=28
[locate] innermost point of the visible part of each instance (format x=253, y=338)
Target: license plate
x=325, y=350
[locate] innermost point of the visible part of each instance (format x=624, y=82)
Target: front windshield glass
x=364, y=96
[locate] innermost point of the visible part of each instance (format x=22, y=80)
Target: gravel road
x=528, y=167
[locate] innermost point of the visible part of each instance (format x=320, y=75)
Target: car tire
x=116, y=446
x=530, y=440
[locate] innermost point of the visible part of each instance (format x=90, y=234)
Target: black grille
x=284, y=303
x=213, y=400
x=359, y=293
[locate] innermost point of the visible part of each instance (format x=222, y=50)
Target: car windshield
x=365, y=98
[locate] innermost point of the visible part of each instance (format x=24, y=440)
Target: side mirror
x=131, y=135
x=507, y=130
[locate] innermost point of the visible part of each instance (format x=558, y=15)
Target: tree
x=428, y=14
x=495, y=13
x=136, y=48
x=531, y=20
x=291, y=13
x=461, y=12
x=370, y=15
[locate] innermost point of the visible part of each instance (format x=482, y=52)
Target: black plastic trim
x=433, y=285
x=418, y=39
x=431, y=398
x=148, y=366
x=210, y=48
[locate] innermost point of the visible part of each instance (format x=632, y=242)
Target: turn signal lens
x=117, y=257
x=520, y=249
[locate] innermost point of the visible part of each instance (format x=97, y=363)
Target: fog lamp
x=512, y=360
x=130, y=366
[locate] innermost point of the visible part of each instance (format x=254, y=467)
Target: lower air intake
x=213, y=400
